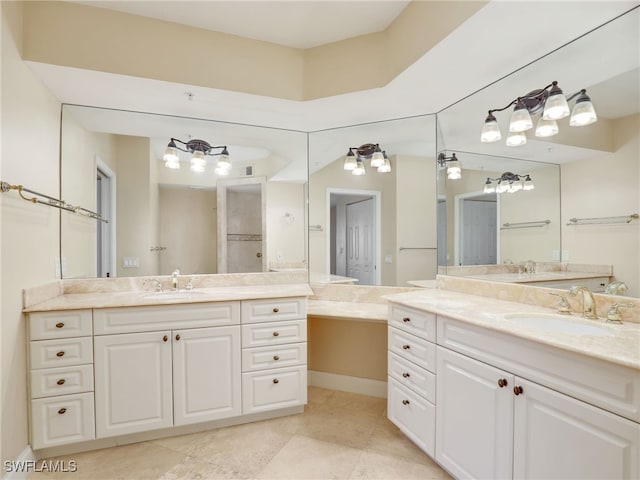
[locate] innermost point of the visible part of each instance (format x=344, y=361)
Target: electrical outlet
x=388, y=258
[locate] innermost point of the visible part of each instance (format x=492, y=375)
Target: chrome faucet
x=174, y=279
x=616, y=288
x=588, y=302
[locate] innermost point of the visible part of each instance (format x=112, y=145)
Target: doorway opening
x=106, y=231
x=477, y=239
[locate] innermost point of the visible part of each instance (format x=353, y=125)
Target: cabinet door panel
x=474, y=417
x=559, y=437
x=132, y=383
x=206, y=374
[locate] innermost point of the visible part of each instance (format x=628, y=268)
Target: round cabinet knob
x=178, y=337
x=259, y=254
x=502, y=382
x=406, y=347
x=60, y=354
x=406, y=319
x=405, y=402
x=165, y=338
x=275, y=380
x=59, y=325
x=62, y=411
x=276, y=334
x=276, y=310
x=276, y=358
x=60, y=382
x=517, y=390
x=406, y=375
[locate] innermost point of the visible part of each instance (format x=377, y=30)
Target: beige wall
x=29, y=238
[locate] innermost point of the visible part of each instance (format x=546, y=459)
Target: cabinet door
x=556, y=436
x=132, y=383
x=474, y=417
x=206, y=374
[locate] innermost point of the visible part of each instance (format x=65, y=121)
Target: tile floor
x=339, y=436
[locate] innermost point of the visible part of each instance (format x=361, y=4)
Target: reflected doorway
x=477, y=239
x=106, y=231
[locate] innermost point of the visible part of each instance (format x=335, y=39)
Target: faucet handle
x=614, y=315
x=189, y=285
x=563, y=307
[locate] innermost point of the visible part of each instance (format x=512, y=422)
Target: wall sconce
x=552, y=103
x=354, y=160
x=509, y=183
x=198, y=149
x=454, y=170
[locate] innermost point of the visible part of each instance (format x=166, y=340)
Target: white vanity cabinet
x=179, y=365
x=497, y=418
x=61, y=377
x=411, y=374
x=274, y=354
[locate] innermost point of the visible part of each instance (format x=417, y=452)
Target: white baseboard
x=22, y=467
x=345, y=383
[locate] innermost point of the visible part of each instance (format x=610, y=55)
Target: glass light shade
x=198, y=162
x=170, y=154
x=489, y=187
x=377, y=159
x=359, y=170
x=583, y=113
x=490, y=131
x=528, y=184
x=222, y=171
x=516, y=139
x=515, y=186
x=454, y=171
x=172, y=162
x=386, y=166
x=556, y=107
x=224, y=162
x=546, y=128
x=520, y=119
x=350, y=161
x=502, y=187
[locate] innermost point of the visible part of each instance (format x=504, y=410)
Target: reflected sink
x=171, y=295
x=560, y=324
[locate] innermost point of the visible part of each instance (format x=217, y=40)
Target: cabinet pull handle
x=276, y=310
x=502, y=382
x=406, y=347
x=406, y=375
x=517, y=390
x=275, y=334
x=62, y=411
x=60, y=354
x=59, y=325
x=276, y=357
x=178, y=337
x=405, y=402
x=60, y=382
x=275, y=380
x=406, y=319
x=165, y=338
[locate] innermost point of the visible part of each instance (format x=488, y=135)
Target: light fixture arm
x=198, y=145
x=443, y=159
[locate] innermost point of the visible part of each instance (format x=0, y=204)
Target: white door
x=206, y=374
x=361, y=242
x=104, y=235
x=474, y=417
x=132, y=383
x=479, y=246
x=556, y=436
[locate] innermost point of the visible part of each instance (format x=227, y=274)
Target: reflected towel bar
x=50, y=201
x=603, y=220
x=418, y=248
x=539, y=223
x=315, y=228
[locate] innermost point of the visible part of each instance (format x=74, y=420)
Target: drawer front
x=273, y=389
x=166, y=317
x=274, y=333
x=61, y=352
x=274, y=309
x=412, y=376
x=71, y=323
x=417, y=322
x=413, y=348
x=412, y=414
x=261, y=358
x=61, y=381
x=62, y=420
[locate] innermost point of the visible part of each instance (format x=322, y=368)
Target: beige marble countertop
x=623, y=347
x=76, y=301
x=535, y=277
x=372, y=312
x=319, y=278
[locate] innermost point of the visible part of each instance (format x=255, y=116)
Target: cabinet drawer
x=166, y=317
x=410, y=375
x=61, y=352
x=413, y=321
x=71, y=323
x=274, y=309
x=413, y=348
x=61, y=381
x=261, y=358
x=274, y=333
x=62, y=420
x=412, y=414
x=273, y=389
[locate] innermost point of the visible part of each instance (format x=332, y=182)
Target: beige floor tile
x=307, y=458
x=338, y=427
x=353, y=403
x=389, y=440
x=376, y=466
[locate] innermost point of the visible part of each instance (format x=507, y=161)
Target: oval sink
x=170, y=295
x=560, y=324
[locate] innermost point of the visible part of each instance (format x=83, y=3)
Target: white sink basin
x=171, y=295
x=561, y=324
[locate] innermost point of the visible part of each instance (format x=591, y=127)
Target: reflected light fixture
x=509, y=182
x=552, y=105
x=454, y=170
x=199, y=150
x=354, y=160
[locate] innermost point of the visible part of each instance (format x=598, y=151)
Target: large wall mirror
x=378, y=228
x=251, y=218
x=587, y=178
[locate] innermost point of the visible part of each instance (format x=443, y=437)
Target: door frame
x=108, y=255
x=459, y=221
x=377, y=196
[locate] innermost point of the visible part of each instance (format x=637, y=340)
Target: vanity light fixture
x=354, y=160
x=454, y=170
x=552, y=104
x=199, y=150
x=509, y=183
